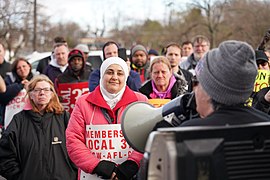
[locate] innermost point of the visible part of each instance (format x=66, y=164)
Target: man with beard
x=139, y=61
x=201, y=46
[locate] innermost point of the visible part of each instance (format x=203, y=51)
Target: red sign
x=70, y=92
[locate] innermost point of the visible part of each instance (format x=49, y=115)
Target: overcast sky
x=91, y=12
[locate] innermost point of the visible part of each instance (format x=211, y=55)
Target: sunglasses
x=262, y=63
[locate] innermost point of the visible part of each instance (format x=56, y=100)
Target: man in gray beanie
x=139, y=61
x=226, y=78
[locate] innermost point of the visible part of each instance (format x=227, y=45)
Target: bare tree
x=248, y=20
x=14, y=18
x=213, y=10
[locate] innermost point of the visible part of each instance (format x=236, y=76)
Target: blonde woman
x=34, y=144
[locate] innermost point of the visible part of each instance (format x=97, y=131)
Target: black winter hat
x=260, y=55
x=75, y=53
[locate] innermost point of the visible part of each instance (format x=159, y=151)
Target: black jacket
x=259, y=101
x=4, y=68
x=69, y=77
x=231, y=115
x=34, y=147
x=43, y=63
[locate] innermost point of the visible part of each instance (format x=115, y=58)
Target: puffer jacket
x=80, y=118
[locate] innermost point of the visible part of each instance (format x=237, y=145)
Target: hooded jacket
x=70, y=77
x=80, y=118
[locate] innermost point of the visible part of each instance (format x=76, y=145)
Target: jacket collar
x=96, y=98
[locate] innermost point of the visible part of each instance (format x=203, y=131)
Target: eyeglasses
x=45, y=90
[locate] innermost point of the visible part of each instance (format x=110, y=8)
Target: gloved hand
x=127, y=170
x=104, y=169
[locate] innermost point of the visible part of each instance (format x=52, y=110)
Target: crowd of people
x=65, y=122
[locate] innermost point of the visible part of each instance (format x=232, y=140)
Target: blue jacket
x=133, y=81
x=52, y=72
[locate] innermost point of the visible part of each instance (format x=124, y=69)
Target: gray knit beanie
x=227, y=73
x=138, y=47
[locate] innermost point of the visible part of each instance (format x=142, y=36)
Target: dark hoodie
x=69, y=76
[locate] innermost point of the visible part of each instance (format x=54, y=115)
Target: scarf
x=112, y=99
x=163, y=95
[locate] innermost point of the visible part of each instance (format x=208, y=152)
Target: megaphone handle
x=191, y=98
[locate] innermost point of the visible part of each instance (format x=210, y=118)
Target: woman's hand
x=25, y=83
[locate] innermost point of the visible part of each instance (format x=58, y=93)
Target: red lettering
x=89, y=144
x=124, y=144
x=109, y=156
x=115, y=133
x=111, y=145
x=109, y=133
x=263, y=85
x=96, y=144
x=118, y=154
x=121, y=134
x=104, y=145
x=91, y=134
x=97, y=134
x=88, y=134
x=256, y=86
x=114, y=154
x=98, y=155
x=103, y=134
